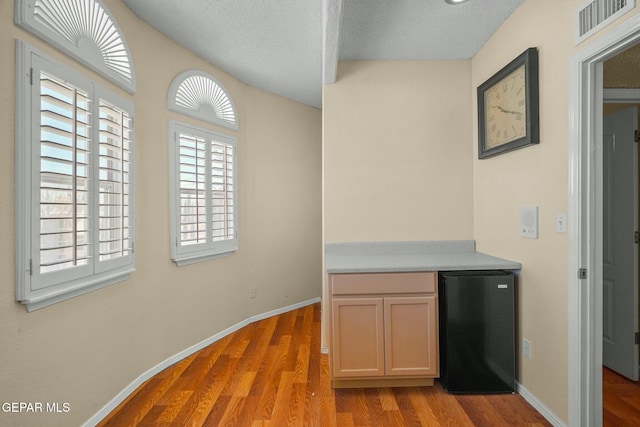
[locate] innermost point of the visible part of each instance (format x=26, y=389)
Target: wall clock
x=508, y=116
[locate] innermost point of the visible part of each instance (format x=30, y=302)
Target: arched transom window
x=85, y=30
x=199, y=95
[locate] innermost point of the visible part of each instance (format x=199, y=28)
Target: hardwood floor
x=621, y=400
x=271, y=373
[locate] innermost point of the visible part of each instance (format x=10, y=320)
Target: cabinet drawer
x=383, y=283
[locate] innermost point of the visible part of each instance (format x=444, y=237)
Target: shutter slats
x=196, y=91
x=221, y=191
x=114, y=228
x=63, y=175
x=193, y=227
x=60, y=136
x=74, y=21
x=204, y=218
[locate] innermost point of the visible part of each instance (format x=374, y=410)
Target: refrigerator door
x=477, y=327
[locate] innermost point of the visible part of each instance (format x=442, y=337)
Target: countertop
x=378, y=257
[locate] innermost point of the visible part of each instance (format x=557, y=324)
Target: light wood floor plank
x=387, y=399
x=172, y=409
x=411, y=400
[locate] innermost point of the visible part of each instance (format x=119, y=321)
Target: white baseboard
x=110, y=406
x=283, y=310
x=539, y=406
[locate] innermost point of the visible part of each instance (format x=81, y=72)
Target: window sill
x=53, y=297
x=183, y=260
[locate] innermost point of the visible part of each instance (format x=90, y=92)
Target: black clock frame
x=530, y=60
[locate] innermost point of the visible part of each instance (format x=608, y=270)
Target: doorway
x=620, y=222
x=586, y=222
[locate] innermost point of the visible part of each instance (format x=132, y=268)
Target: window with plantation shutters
x=74, y=221
x=203, y=194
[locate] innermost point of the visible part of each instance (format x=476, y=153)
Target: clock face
x=505, y=107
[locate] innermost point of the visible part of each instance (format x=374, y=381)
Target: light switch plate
x=529, y=222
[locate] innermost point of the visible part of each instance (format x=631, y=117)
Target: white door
x=620, y=253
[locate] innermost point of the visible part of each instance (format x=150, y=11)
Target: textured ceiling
x=277, y=45
x=419, y=29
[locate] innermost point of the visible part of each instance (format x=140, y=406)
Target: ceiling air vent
x=596, y=14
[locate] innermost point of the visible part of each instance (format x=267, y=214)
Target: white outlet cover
x=561, y=222
x=529, y=222
x=526, y=348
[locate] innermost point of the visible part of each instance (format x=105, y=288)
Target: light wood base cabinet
x=384, y=328
x=358, y=337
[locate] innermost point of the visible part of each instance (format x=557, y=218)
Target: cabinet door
x=357, y=337
x=411, y=336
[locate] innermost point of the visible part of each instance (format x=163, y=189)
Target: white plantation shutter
x=74, y=173
x=222, y=218
x=64, y=175
x=193, y=194
x=203, y=196
x=114, y=172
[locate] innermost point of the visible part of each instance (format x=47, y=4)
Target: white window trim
x=189, y=255
x=28, y=292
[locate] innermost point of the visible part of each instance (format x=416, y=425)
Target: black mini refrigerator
x=477, y=331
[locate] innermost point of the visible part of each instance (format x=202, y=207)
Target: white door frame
x=585, y=222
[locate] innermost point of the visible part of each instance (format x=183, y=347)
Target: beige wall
x=86, y=350
x=533, y=176
x=397, y=153
x=417, y=113
x=397, y=162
